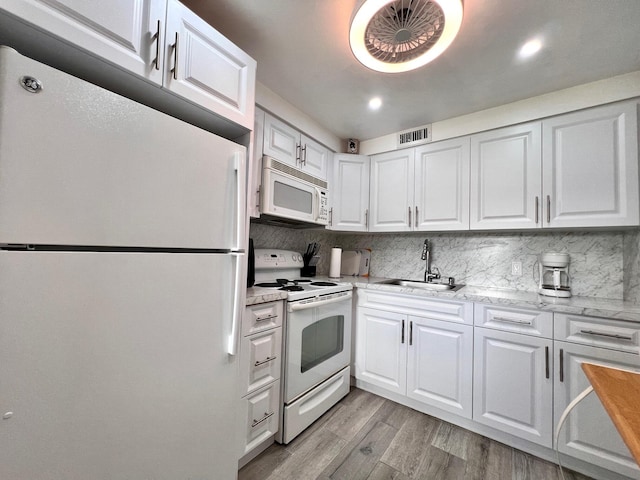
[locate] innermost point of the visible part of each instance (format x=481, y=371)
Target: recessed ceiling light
x=394, y=36
x=375, y=103
x=530, y=48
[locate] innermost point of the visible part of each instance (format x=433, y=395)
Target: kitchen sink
x=421, y=284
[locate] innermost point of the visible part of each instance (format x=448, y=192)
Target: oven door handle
x=296, y=306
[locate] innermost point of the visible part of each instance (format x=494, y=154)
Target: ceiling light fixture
x=530, y=48
x=401, y=35
x=375, y=103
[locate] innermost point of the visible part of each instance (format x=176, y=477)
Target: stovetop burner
x=323, y=284
x=292, y=288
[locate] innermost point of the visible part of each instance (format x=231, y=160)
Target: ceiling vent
x=400, y=35
x=415, y=136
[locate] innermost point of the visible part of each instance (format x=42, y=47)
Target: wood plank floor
x=366, y=437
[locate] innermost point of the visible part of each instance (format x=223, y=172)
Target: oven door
x=318, y=342
x=287, y=197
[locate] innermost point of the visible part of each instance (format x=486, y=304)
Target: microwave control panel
x=323, y=214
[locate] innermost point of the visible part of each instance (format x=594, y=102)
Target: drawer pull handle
x=609, y=335
x=258, y=422
x=156, y=61
x=174, y=70
x=265, y=317
x=561, y=365
x=510, y=320
x=266, y=360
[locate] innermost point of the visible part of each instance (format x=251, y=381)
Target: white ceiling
x=303, y=55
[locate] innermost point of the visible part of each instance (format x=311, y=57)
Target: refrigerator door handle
x=238, y=301
x=240, y=173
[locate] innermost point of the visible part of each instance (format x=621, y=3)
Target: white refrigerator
x=121, y=285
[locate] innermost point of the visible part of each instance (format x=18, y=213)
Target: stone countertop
x=591, y=306
x=257, y=295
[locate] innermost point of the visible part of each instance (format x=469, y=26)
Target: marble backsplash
x=603, y=264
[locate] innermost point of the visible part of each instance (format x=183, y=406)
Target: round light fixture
x=530, y=48
x=375, y=103
x=394, y=36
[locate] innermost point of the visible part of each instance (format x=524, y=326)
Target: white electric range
x=317, y=346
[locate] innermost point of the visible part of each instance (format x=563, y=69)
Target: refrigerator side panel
x=115, y=366
x=80, y=165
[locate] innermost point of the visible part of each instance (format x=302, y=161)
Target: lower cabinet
x=423, y=357
x=512, y=387
x=588, y=433
x=259, y=386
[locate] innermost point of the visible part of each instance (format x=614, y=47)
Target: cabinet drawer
x=517, y=320
x=598, y=332
x=421, y=306
x=260, y=317
x=262, y=416
x=260, y=359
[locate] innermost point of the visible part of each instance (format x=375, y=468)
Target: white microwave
x=291, y=195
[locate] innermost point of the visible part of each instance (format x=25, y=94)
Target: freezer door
x=83, y=166
x=115, y=365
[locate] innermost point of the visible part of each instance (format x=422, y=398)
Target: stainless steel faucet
x=426, y=256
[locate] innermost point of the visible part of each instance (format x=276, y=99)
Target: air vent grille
x=415, y=136
x=294, y=172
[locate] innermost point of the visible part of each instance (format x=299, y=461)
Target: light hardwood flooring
x=366, y=437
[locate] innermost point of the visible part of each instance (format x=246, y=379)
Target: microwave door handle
x=317, y=213
x=295, y=306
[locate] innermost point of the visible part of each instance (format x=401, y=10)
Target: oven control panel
x=272, y=258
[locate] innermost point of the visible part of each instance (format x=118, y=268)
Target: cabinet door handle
x=562, y=365
x=303, y=159
x=265, y=317
x=331, y=217
x=258, y=422
x=157, y=38
x=409, y=217
x=548, y=209
x=402, y=336
x=608, y=335
x=416, y=217
x=266, y=360
x=175, y=59
x=537, y=209
x=410, y=333
x=509, y=320
x=298, y=156
x=546, y=361
x=366, y=218
x=258, y=197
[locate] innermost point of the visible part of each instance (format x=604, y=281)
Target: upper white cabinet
x=421, y=189
x=590, y=167
x=441, y=187
x=204, y=67
x=254, y=174
x=289, y=146
x=160, y=41
x=130, y=34
x=391, y=203
x=506, y=178
x=573, y=170
x=349, y=193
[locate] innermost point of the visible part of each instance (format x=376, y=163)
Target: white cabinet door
x=315, y=157
x=440, y=364
x=513, y=389
x=126, y=33
x=381, y=353
x=589, y=433
x=350, y=193
x=281, y=141
x=442, y=185
x=254, y=178
x=506, y=176
x=204, y=67
x=391, y=203
x=590, y=164
x=262, y=417
x=260, y=360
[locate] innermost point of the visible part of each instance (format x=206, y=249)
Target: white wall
x=570, y=99
x=278, y=106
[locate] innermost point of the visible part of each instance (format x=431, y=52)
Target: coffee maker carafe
x=554, y=275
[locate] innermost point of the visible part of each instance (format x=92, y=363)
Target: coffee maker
x=554, y=275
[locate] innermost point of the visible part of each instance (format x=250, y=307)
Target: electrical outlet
x=516, y=269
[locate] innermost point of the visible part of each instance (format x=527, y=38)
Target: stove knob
x=299, y=258
x=293, y=257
